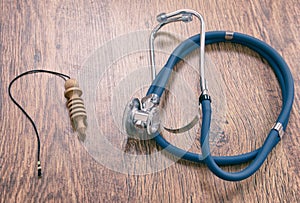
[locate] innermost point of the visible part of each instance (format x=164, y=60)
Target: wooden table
x=63, y=35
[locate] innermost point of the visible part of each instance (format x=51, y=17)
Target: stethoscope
x=141, y=118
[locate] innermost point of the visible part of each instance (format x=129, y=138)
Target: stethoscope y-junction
x=141, y=118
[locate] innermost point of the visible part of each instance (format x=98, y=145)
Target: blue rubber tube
x=257, y=156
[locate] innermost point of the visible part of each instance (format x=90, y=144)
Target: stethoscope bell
x=141, y=118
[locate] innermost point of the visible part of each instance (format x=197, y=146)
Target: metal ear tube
x=138, y=120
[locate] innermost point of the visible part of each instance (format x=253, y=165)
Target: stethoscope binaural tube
x=257, y=156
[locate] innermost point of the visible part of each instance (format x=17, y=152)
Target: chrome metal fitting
x=187, y=17
x=279, y=128
x=162, y=17
x=142, y=119
x=229, y=35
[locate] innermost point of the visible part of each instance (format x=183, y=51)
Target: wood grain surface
x=63, y=35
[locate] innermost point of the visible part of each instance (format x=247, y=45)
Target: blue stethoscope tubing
x=257, y=156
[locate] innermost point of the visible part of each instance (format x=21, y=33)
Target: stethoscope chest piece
x=141, y=118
